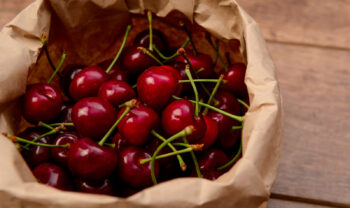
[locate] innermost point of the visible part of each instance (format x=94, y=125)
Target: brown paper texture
x=90, y=31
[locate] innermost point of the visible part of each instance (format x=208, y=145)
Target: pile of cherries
x=150, y=115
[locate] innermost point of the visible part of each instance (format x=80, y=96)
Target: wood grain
x=10, y=8
x=278, y=203
x=324, y=23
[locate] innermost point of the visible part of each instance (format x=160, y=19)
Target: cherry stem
x=46, y=50
x=216, y=88
x=195, y=52
x=63, y=57
x=216, y=49
x=59, y=124
x=149, y=17
x=53, y=131
x=166, y=58
x=145, y=51
x=233, y=160
x=199, y=80
x=19, y=139
x=227, y=54
x=237, y=118
x=187, y=131
x=194, y=158
x=187, y=70
x=129, y=105
x=182, y=164
x=196, y=147
x=178, y=152
x=243, y=103
x=42, y=124
x=128, y=28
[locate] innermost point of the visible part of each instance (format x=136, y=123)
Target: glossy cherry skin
x=180, y=67
x=69, y=73
x=158, y=39
x=131, y=171
x=88, y=160
x=36, y=154
x=199, y=61
x=116, y=72
x=180, y=114
x=156, y=85
x=93, y=117
x=53, y=175
x=119, y=142
x=235, y=80
x=87, y=82
x=94, y=187
x=210, y=161
x=59, y=154
x=116, y=92
x=134, y=62
x=136, y=126
x=211, y=132
x=42, y=102
x=66, y=113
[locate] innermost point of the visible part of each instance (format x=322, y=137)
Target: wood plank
x=278, y=203
x=10, y=8
x=315, y=22
x=315, y=85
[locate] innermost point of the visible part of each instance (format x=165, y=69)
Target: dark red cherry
x=179, y=114
x=87, y=82
x=66, y=113
x=136, y=126
x=158, y=39
x=52, y=175
x=94, y=187
x=93, y=117
x=36, y=154
x=116, y=92
x=69, y=73
x=199, y=61
x=119, y=142
x=60, y=155
x=88, y=160
x=210, y=161
x=42, y=102
x=116, y=72
x=134, y=62
x=211, y=132
x=131, y=171
x=156, y=85
x=229, y=138
x=235, y=80
x=180, y=67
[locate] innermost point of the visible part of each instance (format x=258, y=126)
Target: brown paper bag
x=90, y=31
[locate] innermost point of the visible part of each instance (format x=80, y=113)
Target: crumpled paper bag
x=90, y=31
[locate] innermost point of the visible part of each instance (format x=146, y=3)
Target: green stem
x=53, y=131
x=227, y=54
x=182, y=164
x=237, y=118
x=166, y=58
x=46, y=50
x=195, y=52
x=149, y=17
x=64, y=124
x=236, y=127
x=216, y=49
x=120, y=49
x=194, y=158
x=233, y=160
x=18, y=139
x=243, y=103
x=63, y=57
x=213, y=93
x=199, y=80
x=42, y=124
x=145, y=51
x=187, y=70
x=187, y=131
x=178, y=152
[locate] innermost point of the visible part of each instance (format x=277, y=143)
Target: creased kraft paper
x=85, y=26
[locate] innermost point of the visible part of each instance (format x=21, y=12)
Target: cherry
x=180, y=66
x=52, y=175
x=87, y=82
x=179, y=114
x=116, y=92
x=159, y=39
x=94, y=187
x=157, y=84
x=88, y=160
x=136, y=126
x=235, y=80
x=93, y=117
x=69, y=73
x=130, y=169
x=116, y=72
x=210, y=161
x=119, y=142
x=42, y=102
x=65, y=115
x=211, y=132
x=60, y=155
x=134, y=61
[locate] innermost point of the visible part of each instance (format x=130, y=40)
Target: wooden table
x=309, y=41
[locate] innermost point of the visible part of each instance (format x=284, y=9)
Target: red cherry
x=69, y=73
x=235, y=80
x=88, y=160
x=52, y=175
x=93, y=117
x=94, y=187
x=156, y=85
x=210, y=161
x=119, y=142
x=211, y=132
x=136, y=126
x=116, y=92
x=134, y=61
x=59, y=154
x=116, y=72
x=158, y=39
x=87, y=82
x=42, y=102
x=131, y=171
x=180, y=114
x=180, y=67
